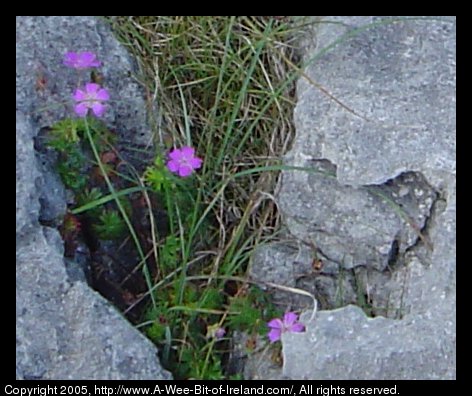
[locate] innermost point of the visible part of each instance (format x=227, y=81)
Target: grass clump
x=223, y=86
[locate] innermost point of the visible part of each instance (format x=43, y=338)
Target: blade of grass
x=103, y=200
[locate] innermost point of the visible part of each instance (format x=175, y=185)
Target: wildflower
x=81, y=60
x=215, y=331
x=220, y=333
x=92, y=97
x=183, y=161
x=289, y=323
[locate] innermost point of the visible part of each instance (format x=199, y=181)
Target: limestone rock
x=65, y=330
x=379, y=202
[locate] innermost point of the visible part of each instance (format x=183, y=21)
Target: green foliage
x=211, y=371
x=69, y=132
x=156, y=331
x=182, y=367
x=70, y=168
x=125, y=203
x=212, y=299
x=190, y=295
x=64, y=134
x=155, y=178
x=102, y=137
x=243, y=315
x=88, y=196
x=169, y=253
x=158, y=176
x=161, y=320
x=250, y=312
x=193, y=363
x=110, y=225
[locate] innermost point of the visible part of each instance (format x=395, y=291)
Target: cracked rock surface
x=378, y=207
x=64, y=329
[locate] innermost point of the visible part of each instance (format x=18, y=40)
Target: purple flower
x=220, y=333
x=81, y=60
x=90, y=98
x=215, y=331
x=183, y=161
x=289, y=323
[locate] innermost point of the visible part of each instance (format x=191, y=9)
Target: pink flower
x=183, y=161
x=81, y=60
x=289, y=323
x=92, y=97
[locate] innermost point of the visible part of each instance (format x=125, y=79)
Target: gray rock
x=345, y=344
x=45, y=86
x=27, y=204
x=382, y=73
x=292, y=266
x=52, y=195
x=355, y=226
x=379, y=201
x=65, y=330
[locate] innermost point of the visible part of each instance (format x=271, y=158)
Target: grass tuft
x=225, y=86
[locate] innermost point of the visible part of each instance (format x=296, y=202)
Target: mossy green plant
x=110, y=225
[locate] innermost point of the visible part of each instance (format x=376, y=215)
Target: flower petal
x=220, y=333
x=274, y=335
x=91, y=88
x=175, y=155
x=275, y=324
x=195, y=162
x=290, y=318
x=297, y=328
x=89, y=59
x=81, y=109
x=185, y=170
x=173, y=166
x=188, y=152
x=70, y=59
x=87, y=56
x=103, y=94
x=98, y=109
x=79, y=95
